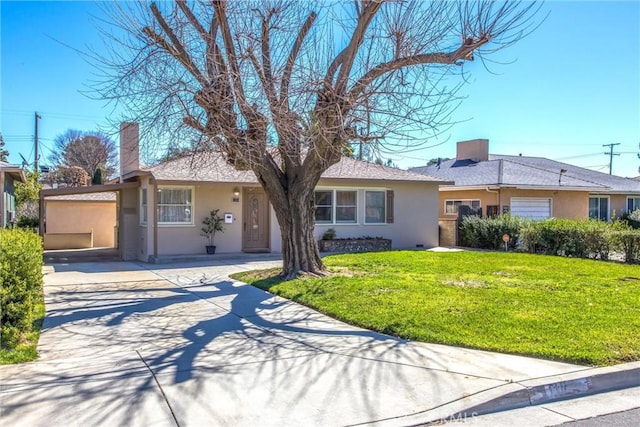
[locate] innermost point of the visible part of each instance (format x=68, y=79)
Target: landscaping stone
x=355, y=245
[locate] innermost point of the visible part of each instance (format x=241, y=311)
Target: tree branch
x=288, y=69
x=178, y=49
x=464, y=52
x=265, y=46
x=344, y=61
x=220, y=11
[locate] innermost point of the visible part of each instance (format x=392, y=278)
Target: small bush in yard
x=628, y=243
x=632, y=218
x=21, y=283
x=487, y=233
x=579, y=238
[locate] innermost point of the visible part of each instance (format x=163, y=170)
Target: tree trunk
x=293, y=202
x=299, y=247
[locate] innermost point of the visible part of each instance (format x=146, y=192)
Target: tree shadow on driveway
x=216, y=352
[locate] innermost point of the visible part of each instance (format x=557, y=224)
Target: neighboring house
x=9, y=175
x=532, y=187
x=76, y=221
x=161, y=208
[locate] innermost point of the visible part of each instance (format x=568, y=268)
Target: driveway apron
x=182, y=344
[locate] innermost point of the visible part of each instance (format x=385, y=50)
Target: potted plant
x=210, y=226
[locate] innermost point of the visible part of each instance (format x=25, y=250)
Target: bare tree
x=71, y=176
x=284, y=88
x=89, y=150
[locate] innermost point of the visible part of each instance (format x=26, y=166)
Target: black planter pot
x=211, y=250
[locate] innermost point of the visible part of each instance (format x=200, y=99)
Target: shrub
x=28, y=222
x=21, y=283
x=330, y=234
x=626, y=242
x=632, y=218
x=580, y=238
x=486, y=233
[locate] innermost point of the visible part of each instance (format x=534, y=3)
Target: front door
x=255, y=221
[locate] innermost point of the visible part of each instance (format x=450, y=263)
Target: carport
x=79, y=242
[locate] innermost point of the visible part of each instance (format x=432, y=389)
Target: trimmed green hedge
x=579, y=238
x=21, y=283
x=487, y=233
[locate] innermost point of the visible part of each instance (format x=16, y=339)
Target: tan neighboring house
x=531, y=187
x=160, y=208
x=77, y=221
x=9, y=175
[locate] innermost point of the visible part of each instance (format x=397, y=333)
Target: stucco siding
x=415, y=220
x=83, y=217
x=618, y=205
x=564, y=204
x=186, y=239
x=128, y=239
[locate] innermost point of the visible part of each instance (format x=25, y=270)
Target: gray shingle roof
x=87, y=197
x=213, y=168
x=613, y=182
x=520, y=171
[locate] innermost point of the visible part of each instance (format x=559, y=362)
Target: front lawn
x=576, y=310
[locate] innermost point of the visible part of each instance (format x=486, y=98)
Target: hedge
x=487, y=233
x=580, y=238
x=21, y=274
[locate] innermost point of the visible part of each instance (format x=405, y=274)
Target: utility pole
x=37, y=159
x=611, y=154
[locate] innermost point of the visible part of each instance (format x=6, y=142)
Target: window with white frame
x=346, y=206
x=175, y=205
x=336, y=206
x=143, y=206
x=324, y=206
x=375, y=207
x=633, y=203
x=599, y=208
x=451, y=207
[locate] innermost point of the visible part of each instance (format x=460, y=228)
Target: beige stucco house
x=9, y=175
x=532, y=187
x=160, y=208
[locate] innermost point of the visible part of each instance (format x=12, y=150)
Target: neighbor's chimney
x=474, y=149
x=129, y=148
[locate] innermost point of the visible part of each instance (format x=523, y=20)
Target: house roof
x=528, y=172
x=87, y=197
x=14, y=170
x=213, y=168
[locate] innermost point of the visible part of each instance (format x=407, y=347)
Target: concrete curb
x=515, y=395
x=561, y=387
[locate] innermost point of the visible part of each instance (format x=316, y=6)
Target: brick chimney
x=129, y=148
x=473, y=149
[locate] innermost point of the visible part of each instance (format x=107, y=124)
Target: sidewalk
x=182, y=344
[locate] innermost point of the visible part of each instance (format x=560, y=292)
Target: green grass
x=575, y=310
x=26, y=351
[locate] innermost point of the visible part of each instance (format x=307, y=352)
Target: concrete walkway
x=182, y=344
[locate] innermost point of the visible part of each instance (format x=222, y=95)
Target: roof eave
x=386, y=180
x=16, y=173
x=525, y=187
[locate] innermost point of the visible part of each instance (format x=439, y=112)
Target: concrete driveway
x=131, y=344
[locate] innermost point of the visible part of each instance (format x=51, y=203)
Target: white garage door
x=535, y=208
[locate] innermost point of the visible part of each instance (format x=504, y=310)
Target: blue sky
x=563, y=92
